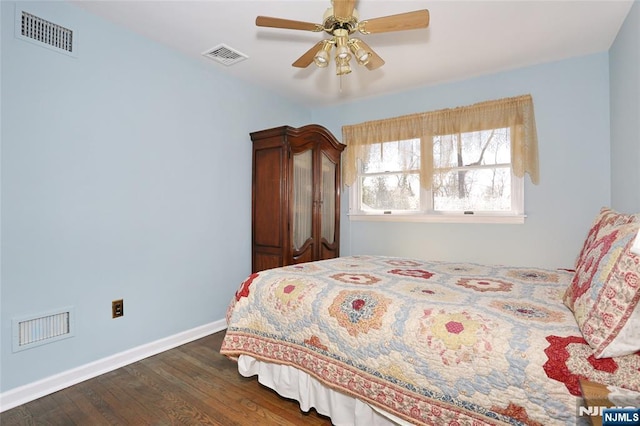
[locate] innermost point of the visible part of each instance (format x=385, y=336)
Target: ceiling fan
x=340, y=21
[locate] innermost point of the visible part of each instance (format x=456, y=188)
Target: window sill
x=440, y=218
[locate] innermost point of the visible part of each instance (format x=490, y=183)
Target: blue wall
x=571, y=100
x=625, y=115
x=126, y=173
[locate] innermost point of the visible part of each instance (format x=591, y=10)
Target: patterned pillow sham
x=606, y=219
x=605, y=290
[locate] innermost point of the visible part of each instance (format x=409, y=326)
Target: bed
x=374, y=340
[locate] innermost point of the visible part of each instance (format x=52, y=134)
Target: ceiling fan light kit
x=340, y=21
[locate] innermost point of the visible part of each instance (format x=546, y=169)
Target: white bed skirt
x=289, y=382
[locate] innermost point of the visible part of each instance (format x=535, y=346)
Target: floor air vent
x=45, y=33
x=225, y=55
x=40, y=329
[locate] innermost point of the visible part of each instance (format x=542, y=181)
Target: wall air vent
x=45, y=33
x=47, y=327
x=225, y=55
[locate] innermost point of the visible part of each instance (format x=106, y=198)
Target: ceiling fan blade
x=307, y=58
x=375, y=61
x=343, y=9
x=266, y=21
x=400, y=22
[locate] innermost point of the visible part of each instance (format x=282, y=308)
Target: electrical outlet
x=117, y=308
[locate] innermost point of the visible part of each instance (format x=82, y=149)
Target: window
x=468, y=173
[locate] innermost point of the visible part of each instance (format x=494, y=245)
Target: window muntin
x=472, y=174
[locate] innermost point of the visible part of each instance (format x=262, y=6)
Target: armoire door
x=328, y=208
x=303, y=203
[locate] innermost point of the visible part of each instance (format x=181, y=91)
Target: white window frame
x=428, y=214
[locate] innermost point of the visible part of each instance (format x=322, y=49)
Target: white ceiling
x=464, y=39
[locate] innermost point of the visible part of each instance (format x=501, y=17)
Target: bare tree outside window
x=472, y=172
x=391, y=176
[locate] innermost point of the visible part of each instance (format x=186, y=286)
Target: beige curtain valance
x=516, y=113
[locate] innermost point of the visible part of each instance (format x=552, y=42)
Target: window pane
x=302, y=198
x=474, y=189
x=328, y=206
x=393, y=157
x=396, y=191
x=485, y=147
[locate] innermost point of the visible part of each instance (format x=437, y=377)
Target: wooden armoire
x=295, y=196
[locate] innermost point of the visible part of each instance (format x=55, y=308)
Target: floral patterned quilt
x=430, y=342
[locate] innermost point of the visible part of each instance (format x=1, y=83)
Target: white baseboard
x=35, y=390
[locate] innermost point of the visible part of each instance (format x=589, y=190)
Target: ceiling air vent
x=45, y=32
x=225, y=55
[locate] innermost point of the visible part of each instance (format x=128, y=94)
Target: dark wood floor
x=192, y=385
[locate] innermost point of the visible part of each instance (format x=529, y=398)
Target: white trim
x=40, y=388
x=440, y=218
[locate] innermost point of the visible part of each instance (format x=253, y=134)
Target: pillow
x=605, y=289
x=605, y=219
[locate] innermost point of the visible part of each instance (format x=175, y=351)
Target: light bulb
x=342, y=52
x=321, y=59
